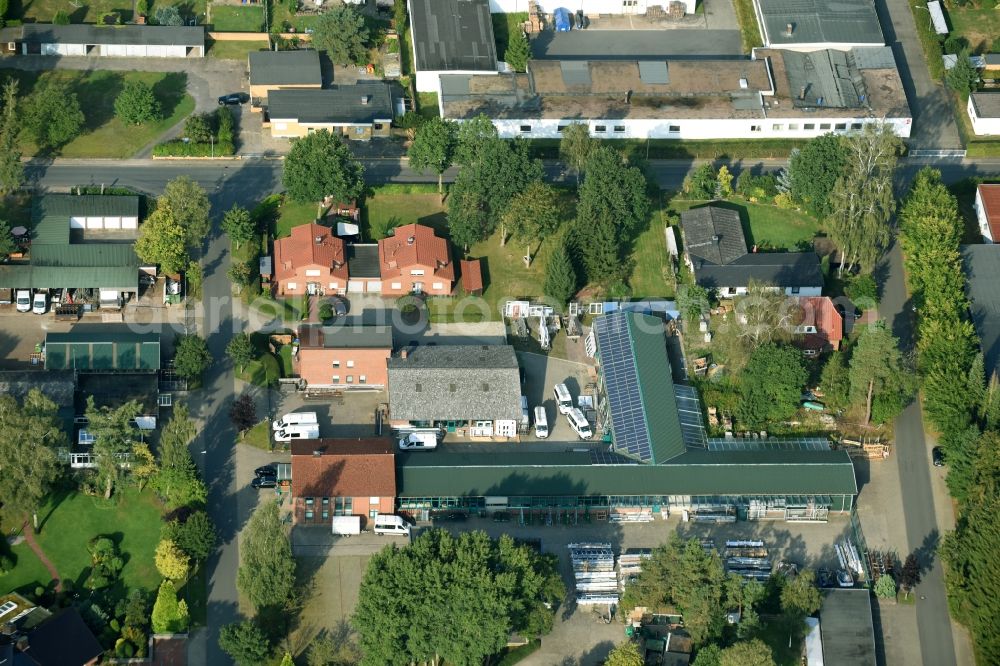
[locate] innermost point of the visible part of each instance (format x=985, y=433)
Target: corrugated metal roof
x=24, y=276
x=86, y=255
x=50, y=214
x=820, y=22
x=874, y=57
x=453, y=35
x=102, y=351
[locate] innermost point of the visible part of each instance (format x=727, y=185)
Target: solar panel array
x=608, y=457
x=769, y=444
x=689, y=413
x=621, y=383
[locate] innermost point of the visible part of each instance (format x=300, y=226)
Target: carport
x=123, y=41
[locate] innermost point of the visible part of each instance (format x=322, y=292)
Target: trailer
x=346, y=525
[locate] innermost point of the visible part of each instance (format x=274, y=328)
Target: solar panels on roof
x=628, y=418
x=689, y=412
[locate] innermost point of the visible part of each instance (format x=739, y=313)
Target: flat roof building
x=450, y=36
x=131, y=41
x=982, y=273
x=814, y=24
x=984, y=112
x=359, y=111
x=847, y=629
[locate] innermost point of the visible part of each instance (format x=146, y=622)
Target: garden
x=90, y=11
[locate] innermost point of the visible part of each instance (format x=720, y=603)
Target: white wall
x=982, y=126
x=698, y=128
x=429, y=80
x=984, y=225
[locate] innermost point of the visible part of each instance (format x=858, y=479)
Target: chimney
x=317, y=453
x=789, y=29
x=802, y=93
x=715, y=239
x=365, y=99
x=411, y=240
x=403, y=353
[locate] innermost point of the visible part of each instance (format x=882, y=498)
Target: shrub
x=325, y=311
x=136, y=104
x=61, y=18
x=168, y=15
x=6, y=564
x=178, y=148
x=757, y=188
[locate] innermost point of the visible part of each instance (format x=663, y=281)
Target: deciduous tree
x=814, y=170
x=189, y=207
x=245, y=643
x=114, y=434
x=341, y=32
x=770, y=386
x=52, y=116
x=243, y=412
x=11, y=169
x=143, y=466
x=799, y=595
x=191, y=356
x=433, y=148
x=624, y=654
x=532, y=216
x=137, y=104
x=909, y=576
x=198, y=127
x=575, y=147
x=754, y=652
x=321, y=165
x=240, y=274
x=163, y=241
x=702, y=183
x=172, y=562
x=267, y=568
x=240, y=226
x=240, y=350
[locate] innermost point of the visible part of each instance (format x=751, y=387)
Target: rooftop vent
x=319, y=240
x=744, y=84
x=365, y=99
x=789, y=29
x=715, y=239
x=452, y=388
x=317, y=453
x=411, y=240
x=486, y=387
x=418, y=388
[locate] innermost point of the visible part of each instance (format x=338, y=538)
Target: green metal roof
x=102, y=351
x=442, y=474
x=85, y=255
x=51, y=213
x=656, y=387
x=24, y=276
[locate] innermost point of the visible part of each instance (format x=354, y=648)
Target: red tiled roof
x=822, y=313
x=344, y=468
x=472, y=275
x=397, y=253
x=301, y=249
x=990, y=195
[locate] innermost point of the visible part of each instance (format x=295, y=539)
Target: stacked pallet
x=594, y=573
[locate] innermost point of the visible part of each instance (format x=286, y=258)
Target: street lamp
x=211, y=138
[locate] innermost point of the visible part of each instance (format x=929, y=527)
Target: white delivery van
x=346, y=525
x=304, y=431
x=23, y=299
x=541, y=423
x=295, y=418
x=579, y=423
x=419, y=441
x=387, y=523
x=564, y=401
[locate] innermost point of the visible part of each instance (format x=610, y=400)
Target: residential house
x=344, y=356
x=310, y=261
x=451, y=37
x=811, y=25
x=415, y=260
x=342, y=477
x=125, y=41
x=984, y=112
x=361, y=111
x=987, y=206
x=716, y=250
x=62, y=640
x=471, y=389
x=280, y=70
x=818, y=324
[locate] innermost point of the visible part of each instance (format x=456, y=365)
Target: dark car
x=339, y=306
x=937, y=456
x=266, y=470
x=453, y=516
x=234, y=99
x=264, y=482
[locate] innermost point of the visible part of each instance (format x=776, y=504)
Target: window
x=855, y=126
x=417, y=271
x=438, y=285
x=755, y=128
x=795, y=290
x=350, y=379
x=396, y=285
x=809, y=126
x=309, y=501
x=326, y=501
x=777, y=127
x=309, y=515
x=840, y=126
x=373, y=500
x=525, y=129
x=334, y=285
x=350, y=364
x=165, y=399
x=378, y=126
x=600, y=128
x=674, y=128
x=291, y=286
x=793, y=126
x=824, y=126
x=342, y=506
x=335, y=380
x=362, y=379
x=619, y=128
x=560, y=128
x=313, y=272
x=373, y=514
x=326, y=515
x=336, y=363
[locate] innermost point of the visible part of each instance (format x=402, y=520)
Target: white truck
x=346, y=525
x=295, y=418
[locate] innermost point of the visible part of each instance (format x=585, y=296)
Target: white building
x=984, y=112
x=125, y=41
x=774, y=94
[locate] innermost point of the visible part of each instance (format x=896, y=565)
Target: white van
x=419, y=441
x=295, y=418
x=564, y=401
x=346, y=525
x=304, y=431
x=541, y=423
x=387, y=523
x=579, y=423
x=23, y=299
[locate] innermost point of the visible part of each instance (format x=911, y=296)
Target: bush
x=168, y=15
x=198, y=127
x=863, y=291
x=179, y=148
x=61, y=18
x=757, y=188
x=6, y=564
x=955, y=44
x=325, y=312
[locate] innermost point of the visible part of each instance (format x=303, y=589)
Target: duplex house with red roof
x=310, y=261
x=415, y=260
x=342, y=477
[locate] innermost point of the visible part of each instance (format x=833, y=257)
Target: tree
x=575, y=147
x=800, y=597
x=708, y=655
x=240, y=274
x=560, y=275
x=171, y=561
x=191, y=356
x=724, y=183
x=624, y=654
x=52, y=116
x=326, y=650
x=141, y=7
x=532, y=216
x=189, y=206
x=763, y=315
x=433, y=148
x=909, y=576
x=693, y=302
x=238, y=223
x=770, y=385
x=245, y=643
x=885, y=587
x=473, y=138
x=320, y=165
x=11, y=169
x=243, y=413
x=136, y=104
x=163, y=241
x=105, y=562
x=143, y=466
x=287, y=660
x=168, y=15
x=178, y=482
x=198, y=127
x=169, y=615
x=518, y=51
x=835, y=381
x=813, y=171
x=240, y=350
x=195, y=536
x=702, y=183
x=963, y=78
x=862, y=201
x=267, y=567
x=399, y=16
x=879, y=379
x=754, y=652
x=114, y=434
x=341, y=32
x=7, y=244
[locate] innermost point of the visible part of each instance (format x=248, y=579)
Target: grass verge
x=749, y=29
x=233, y=50
x=245, y=18
x=258, y=436
x=930, y=42
x=427, y=104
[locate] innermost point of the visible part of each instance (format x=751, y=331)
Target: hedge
x=179, y=148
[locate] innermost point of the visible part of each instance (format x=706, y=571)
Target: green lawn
x=259, y=436
x=28, y=573
x=103, y=135
x=90, y=11
x=651, y=275
x=979, y=26
x=766, y=226
x=749, y=30
x=291, y=214
x=246, y=18
x=71, y=519
x=267, y=368
x=383, y=212
x=427, y=105
x=233, y=50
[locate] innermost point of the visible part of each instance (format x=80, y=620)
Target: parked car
x=264, y=482
x=40, y=303
x=234, y=99
x=266, y=470
x=339, y=306
x=23, y=300
x=937, y=456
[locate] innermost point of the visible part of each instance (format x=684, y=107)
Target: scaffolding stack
x=630, y=564
x=594, y=573
x=748, y=558
x=847, y=553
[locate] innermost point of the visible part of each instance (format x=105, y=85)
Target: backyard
x=244, y=18
x=103, y=135
x=90, y=11
x=766, y=226
x=979, y=25
x=234, y=49
x=268, y=367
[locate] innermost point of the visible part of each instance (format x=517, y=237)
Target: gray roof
x=846, y=627
x=455, y=382
x=826, y=78
x=56, y=385
x=451, y=35
x=346, y=336
x=363, y=261
x=82, y=33
x=289, y=68
x=713, y=234
x=819, y=22
x=361, y=103
x=780, y=269
x=991, y=58
x=982, y=270
x=987, y=104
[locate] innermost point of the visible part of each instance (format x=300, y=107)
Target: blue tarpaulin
x=561, y=19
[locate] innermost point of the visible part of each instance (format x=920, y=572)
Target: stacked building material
x=630, y=564
x=748, y=558
x=594, y=573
